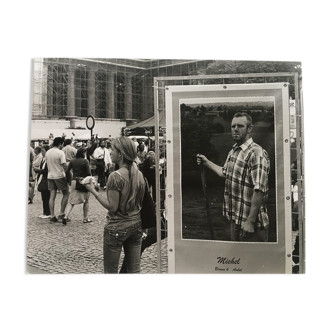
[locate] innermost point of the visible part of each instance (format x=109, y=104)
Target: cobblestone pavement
x=77, y=247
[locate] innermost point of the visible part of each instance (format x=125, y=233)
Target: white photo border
x=173, y=96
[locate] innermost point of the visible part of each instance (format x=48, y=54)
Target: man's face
x=240, y=130
x=102, y=144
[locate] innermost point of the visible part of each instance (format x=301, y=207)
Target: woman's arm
x=69, y=168
x=111, y=203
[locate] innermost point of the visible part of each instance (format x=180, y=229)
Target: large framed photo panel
x=198, y=121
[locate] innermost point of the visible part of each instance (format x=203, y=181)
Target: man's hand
x=249, y=225
x=201, y=159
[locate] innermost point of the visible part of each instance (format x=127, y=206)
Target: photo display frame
x=198, y=235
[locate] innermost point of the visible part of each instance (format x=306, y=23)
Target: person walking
x=246, y=172
x=91, y=147
x=38, y=157
x=103, y=159
x=70, y=153
x=31, y=179
x=125, y=191
x=141, y=153
x=69, y=150
x=135, y=141
x=149, y=172
x=42, y=185
x=78, y=193
x=56, y=178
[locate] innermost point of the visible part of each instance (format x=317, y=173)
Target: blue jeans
x=130, y=238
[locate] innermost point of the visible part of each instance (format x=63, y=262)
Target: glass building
x=105, y=88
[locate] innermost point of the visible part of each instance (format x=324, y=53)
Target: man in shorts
x=56, y=177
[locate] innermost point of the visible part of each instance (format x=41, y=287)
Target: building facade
x=114, y=89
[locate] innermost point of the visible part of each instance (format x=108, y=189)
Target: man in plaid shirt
x=246, y=172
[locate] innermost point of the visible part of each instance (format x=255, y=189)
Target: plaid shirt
x=246, y=170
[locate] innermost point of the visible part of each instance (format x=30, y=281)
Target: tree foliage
x=252, y=67
x=196, y=133
x=246, y=67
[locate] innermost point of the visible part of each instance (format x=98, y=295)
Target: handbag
x=42, y=183
x=42, y=186
x=79, y=186
x=148, y=211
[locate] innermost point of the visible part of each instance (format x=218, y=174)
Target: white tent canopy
x=43, y=134
x=85, y=136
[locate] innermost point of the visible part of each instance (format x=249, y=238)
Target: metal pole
x=299, y=147
x=207, y=77
x=156, y=145
x=207, y=205
x=303, y=184
x=302, y=96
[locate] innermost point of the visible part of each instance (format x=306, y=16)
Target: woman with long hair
x=125, y=190
x=79, y=167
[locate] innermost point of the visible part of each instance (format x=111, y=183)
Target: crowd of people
x=118, y=167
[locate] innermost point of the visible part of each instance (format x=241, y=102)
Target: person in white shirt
x=103, y=158
x=36, y=160
x=136, y=143
x=70, y=154
x=56, y=177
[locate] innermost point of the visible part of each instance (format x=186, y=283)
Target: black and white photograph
x=136, y=164
x=214, y=130
x=233, y=212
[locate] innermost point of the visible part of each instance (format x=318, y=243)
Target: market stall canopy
x=85, y=136
x=145, y=127
x=43, y=134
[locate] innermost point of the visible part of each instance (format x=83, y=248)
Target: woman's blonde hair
x=128, y=150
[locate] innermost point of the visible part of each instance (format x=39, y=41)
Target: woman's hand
x=90, y=187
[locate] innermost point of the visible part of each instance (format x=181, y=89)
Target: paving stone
x=77, y=247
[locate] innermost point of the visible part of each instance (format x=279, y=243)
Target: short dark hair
x=81, y=152
x=244, y=114
x=46, y=148
x=37, y=149
x=57, y=141
x=67, y=142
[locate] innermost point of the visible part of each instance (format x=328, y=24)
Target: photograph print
x=235, y=143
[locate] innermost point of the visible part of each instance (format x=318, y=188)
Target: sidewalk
x=77, y=247
x=33, y=270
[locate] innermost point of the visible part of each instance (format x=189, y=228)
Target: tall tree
x=252, y=67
